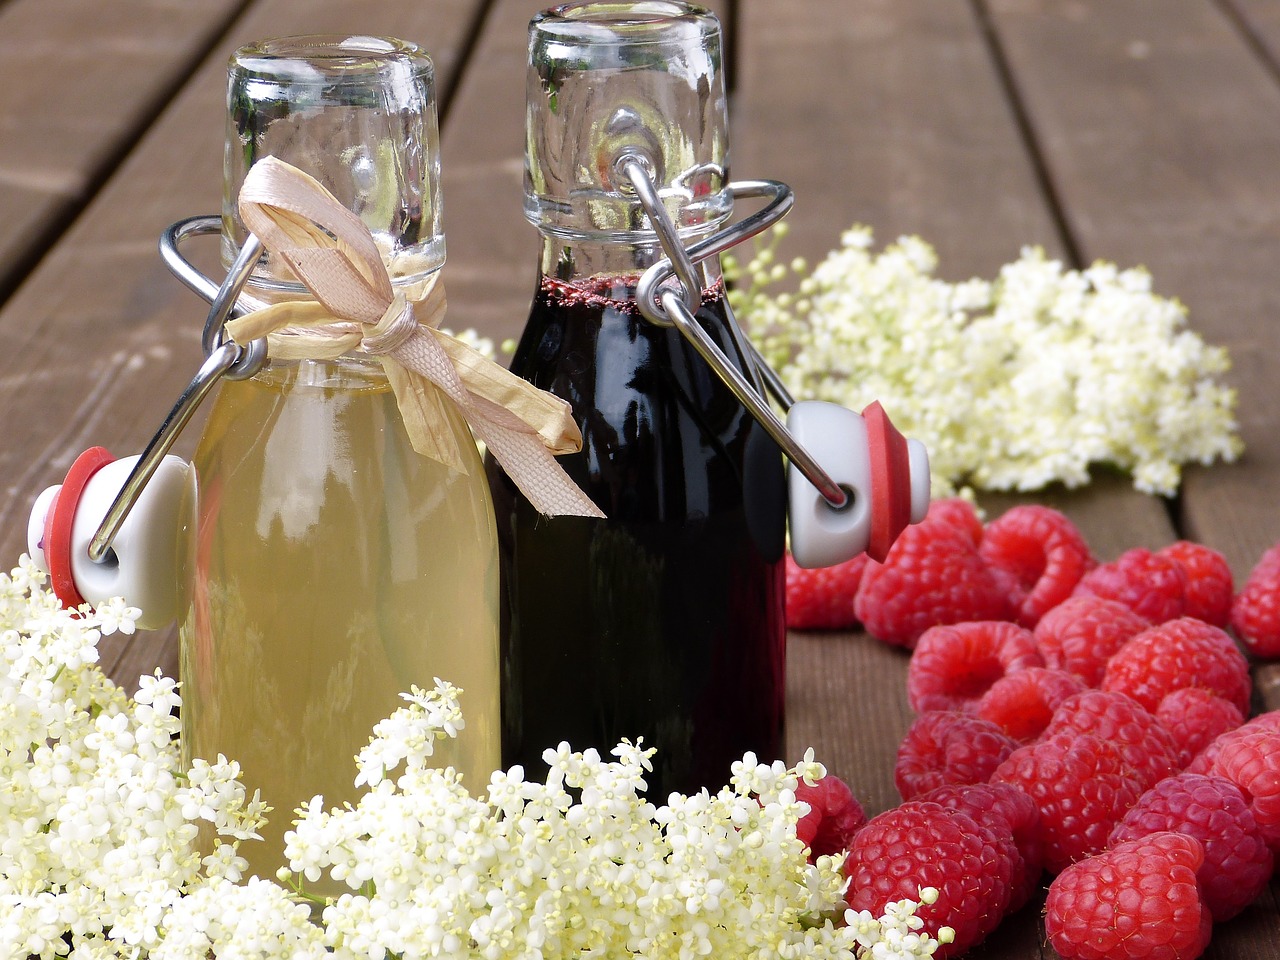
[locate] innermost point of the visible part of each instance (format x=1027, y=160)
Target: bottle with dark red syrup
x=664, y=621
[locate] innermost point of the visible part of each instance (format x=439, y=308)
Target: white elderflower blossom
x=1011, y=385
x=99, y=857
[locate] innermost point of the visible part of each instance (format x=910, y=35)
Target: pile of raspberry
x=1078, y=719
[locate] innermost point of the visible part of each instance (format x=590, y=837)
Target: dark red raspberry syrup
x=664, y=621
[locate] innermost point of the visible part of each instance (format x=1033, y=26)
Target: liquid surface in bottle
x=333, y=568
x=666, y=620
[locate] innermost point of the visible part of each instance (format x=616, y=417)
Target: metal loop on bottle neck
x=222, y=297
x=223, y=358
x=669, y=306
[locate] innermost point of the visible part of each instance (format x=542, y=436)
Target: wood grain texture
x=71, y=109
x=892, y=115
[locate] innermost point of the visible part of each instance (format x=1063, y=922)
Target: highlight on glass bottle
x=317, y=564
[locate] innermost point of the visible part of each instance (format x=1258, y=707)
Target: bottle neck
x=410, y=277
x=575, y=260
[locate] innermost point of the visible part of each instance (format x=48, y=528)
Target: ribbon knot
x=333, y=253
x=397, y=324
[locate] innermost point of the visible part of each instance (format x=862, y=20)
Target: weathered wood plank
x=1260, y=22
x=891, y=115
x=71, y=107
x=99, y=341
x=1160, y=135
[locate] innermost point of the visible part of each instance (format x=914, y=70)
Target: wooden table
x=1139, y=132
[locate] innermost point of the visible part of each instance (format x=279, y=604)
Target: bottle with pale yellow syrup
x=334, y=566
x=332, y=543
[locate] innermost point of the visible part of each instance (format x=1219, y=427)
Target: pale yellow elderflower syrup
x=333, y=568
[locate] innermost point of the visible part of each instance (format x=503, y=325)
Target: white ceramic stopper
x=838, y=438
x=146, y=558
x=821, y=535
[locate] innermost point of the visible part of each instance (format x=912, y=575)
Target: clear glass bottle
x=333, y=565
x=666, y=620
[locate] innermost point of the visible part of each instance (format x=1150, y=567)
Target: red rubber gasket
x=890, y=481
x=59, y=520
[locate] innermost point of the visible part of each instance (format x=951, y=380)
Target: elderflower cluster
x=1012, y=384
x=99, y=856
x=97, y=820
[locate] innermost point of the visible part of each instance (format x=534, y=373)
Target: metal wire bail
x=674, y=306
x=223, y=358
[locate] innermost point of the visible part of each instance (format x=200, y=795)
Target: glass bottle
x=333, y=565
x=664, y=621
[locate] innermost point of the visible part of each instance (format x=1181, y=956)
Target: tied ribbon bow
x=334, y=255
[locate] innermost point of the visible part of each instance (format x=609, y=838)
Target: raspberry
x=1147, y=748
x=822, y=599
x=1252, y=762
x=1022, y=703
x=1176, y=654
x=955, y=664
x=945, y=747
x=960, y=514
x=1194, y=718
x=1043, y=553
x=1080, y=635
x=1082, y=787
x=1152, y=586
x=1203, y=761
x=1137, y=900
x=1007, y=810
x=920, y=844
x=1255, y=614
x=1209, y=583
x=834, y=816
x=1237, y=863
x=932, y=575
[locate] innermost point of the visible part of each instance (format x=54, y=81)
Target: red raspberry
x=945, y=747
x=834, y=816
x=1043, y=553
x=1176, y=654
x=1209, y=583
x=1148, y=748
x=1255, y=614
x=1081, y=785
x=921, y=844
x=1195, y=718
x=1252, y=762
x=960, y=514
x=1237, y=863
x=955, y=664
x=1080, y=635
x=1137, y=900
x=822, y=599
x=1022, y=703
x=1007, y=810
x=1203, y=761
x=932, y=575
x=1152, y=586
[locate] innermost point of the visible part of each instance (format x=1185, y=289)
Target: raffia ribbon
x=332, y=252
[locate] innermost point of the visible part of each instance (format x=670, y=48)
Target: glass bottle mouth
x=608, y=79
x=358, y=113
x=651, y=21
